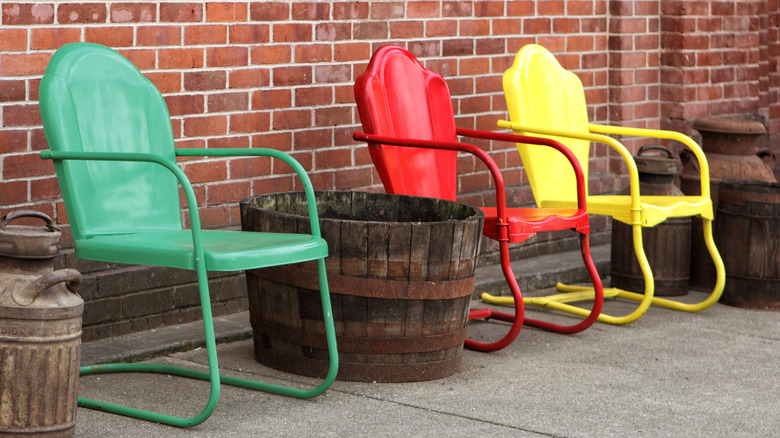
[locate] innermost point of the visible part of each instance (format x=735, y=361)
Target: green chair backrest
x=92, y=99
x=541, y=93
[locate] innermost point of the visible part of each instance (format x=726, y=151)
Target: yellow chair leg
x=582, y=293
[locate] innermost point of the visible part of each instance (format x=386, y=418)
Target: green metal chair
x=112, y=144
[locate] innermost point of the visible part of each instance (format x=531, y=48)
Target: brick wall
x=279, y=75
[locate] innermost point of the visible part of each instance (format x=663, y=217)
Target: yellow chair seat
x=655, y=209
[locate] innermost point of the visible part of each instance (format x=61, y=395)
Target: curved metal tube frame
x=212, y=375
x=518, y=319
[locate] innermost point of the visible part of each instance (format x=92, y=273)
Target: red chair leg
x=598, y=298
x=516, y=319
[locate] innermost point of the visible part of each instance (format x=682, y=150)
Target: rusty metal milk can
x=667, y=245
x=40, y=332
x=733, y=152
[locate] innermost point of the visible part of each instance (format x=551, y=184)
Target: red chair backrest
x=397, y=97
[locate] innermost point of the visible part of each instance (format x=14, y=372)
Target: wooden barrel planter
x=747, y=233
x=401, y=276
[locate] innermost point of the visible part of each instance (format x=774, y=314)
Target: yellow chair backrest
x=541, y=93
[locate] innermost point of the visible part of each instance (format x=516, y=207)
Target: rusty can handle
x=28, y=213
x=25, y=296
x=644, y=149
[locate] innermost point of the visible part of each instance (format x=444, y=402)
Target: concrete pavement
x=715, y=373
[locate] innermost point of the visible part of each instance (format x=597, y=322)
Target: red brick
x=23, y=64
x=38, y=139
x=310, y=53
x=579, y=7
x=440, y=28
x=420, y=9
x=44, y=189
x=292, y=119
x=13, y=140
x=274, y=185
x=520, y=8
x=475, y=27
x=351, y=178
x=332, y=31
x=486, y=46
x=566, y=25
x=25, y=166
x=425, y=48
x=227, y=192
x=344, y=94
x=536, y=26
x=510, y=26
x=166, y=82
x=310, y=11
x=332, y=116
x=205, y=80
x=325, y=74
x=12, y=90
x=71, y=13
x=21, y=115
x=474, y=104
x=270, y=99
x=185, y=104
x=271, y=54
x=292, y=32
x=249, y=78
x=109, y=36
x=274, y=140
x=215, y=216
x=51, y=38
x=313, y=96
x=133, y=13
x=551, y=7
x=205, y=34
x=158, y=35
x=593, y=25
x=458, y=47
x=406, y=29
x=181, y=12
x=14, y=192
x=226, y=12
x=249, y=167
x=227, y=56
x=350, y=51
x=489, y=8
x=269, y=11
x=386, y=10
x=180, y=58
x=206, y=171
x=205, y=125
x=26, y=13
x=370, y=30
x=226, y=102
x=350, y=10
x=250, y=122
x=249, y=33
x=313, y=139
x=240, y=142
x=296, y=75
x=13, y=40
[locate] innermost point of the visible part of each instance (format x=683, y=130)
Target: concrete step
x=542, y=272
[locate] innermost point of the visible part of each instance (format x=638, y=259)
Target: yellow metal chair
x=545, y=99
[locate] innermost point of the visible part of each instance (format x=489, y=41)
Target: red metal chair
x=403, y=104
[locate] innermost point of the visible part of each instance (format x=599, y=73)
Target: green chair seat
x=224, y=250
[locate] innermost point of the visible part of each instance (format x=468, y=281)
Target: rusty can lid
x=729, y=126
x=663, y=164
x=22, y=241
